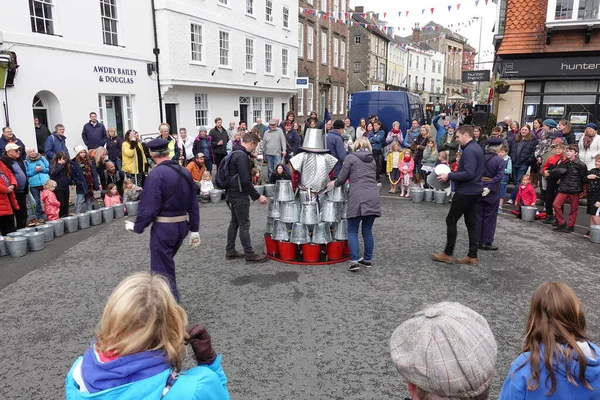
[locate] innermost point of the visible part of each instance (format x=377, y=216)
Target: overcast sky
x=442, y=16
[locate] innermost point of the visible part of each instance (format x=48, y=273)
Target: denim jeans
x=367, y=234
x=83, y=198
x=272, y=162
x=519, y=171
x=35, y=192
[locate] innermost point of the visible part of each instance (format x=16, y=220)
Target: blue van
x=389, y=106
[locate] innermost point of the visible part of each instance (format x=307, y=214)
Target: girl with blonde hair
x=139, y=349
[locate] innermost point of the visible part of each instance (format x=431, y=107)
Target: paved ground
x=285, y=331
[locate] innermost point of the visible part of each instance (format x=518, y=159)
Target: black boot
x=549, y=219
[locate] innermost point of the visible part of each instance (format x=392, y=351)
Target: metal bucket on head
x=95, y=217
x=440, y=196
x=300, y=234
x=417, y=195
x=71, y=223
x=107, y=214
x=330, y=212
x=273, y=210
x=528, y=213
x=280, y=232
x=270, y=225
x=119, y=210
x=16, y=246
x=309, y=214
x=215, y=196
x=428, y=195
x=3, y=249
x=595, y=233
x=321, y=233
x=337, y=194
x=84, y=220
x=35, y=241
x=48, y=231
x=132, y=208
x=289, y=211
x=59, y=227
x=283, y=190
x=269, y=189
x=260, y=189
x=341, y=230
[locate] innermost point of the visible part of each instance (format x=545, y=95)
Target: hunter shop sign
x=115, y=75
x=551, y=67
x=476, y=76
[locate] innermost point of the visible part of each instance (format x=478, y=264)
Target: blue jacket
x=441, y=131
x=293, y=142
x=470, y=170
x=37, y=178
x=55, y=144
x=335, y=143
x=515, y=386
x=113, y=148
x=94, y=136
x=4, y=142
x=411, y=136
x=377, y=139
x=79, y=179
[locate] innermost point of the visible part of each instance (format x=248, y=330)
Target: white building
x=78, y=56
x=425, y=73
x=232, y=59
x=397, y=65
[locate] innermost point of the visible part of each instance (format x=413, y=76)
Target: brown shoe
x=256, y=258
x=234, y=254
x=468, y=260
x=443, y=257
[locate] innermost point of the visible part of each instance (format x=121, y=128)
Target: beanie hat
x=550, y=122
x=452, y=125
x=339, y=124
x=592, y=125
x=446, y=349
x=79, y=148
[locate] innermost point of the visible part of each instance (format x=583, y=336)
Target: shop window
x=201, y=108
x=116, y=112
x=569, y=11
x=571, y=87
x=573, y=99
x=108, y=9
x=533, y=87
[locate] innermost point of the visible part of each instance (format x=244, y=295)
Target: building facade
x=469, y=89
x=323, y=59
x=547, y=52
x=397, y=68
x=75, y=57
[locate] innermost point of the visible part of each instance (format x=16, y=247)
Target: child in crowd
x=206, y=186
x=570, y=188
x=559, y=361
x=419, y=182
x=593, y=199
x=406, y=167
x=279, y=174
x=503, y=153
x=393, y=165
x=51, y=204
x=525, y=194
x=555, y=160
x=257, y=177
x=112, y=197
x=131, y=192
x=454, y=165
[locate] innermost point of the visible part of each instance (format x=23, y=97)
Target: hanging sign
x=476, y=76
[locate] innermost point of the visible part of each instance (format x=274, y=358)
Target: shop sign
x=115, y=75
x=550, y=67
x=476, y=76
x=302, y=83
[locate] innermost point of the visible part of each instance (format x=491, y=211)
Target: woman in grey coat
x=364, y=202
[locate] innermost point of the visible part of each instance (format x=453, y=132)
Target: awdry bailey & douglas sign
x=115, y=75
x=476, y=76
x=566, y=67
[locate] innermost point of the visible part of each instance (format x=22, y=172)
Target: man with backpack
x=234, y=175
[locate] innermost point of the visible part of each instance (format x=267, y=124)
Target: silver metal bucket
x=16, y=234
x=16, y=246
x=309, y=214
x=84, y=220
x=35, y=241
x=71, y=224
x=132, y=208
x=428, y=195
x=260, y=189
x=283, y=191
x=344, y=211
x=528, y=213
x=280, y=232
x=337, y=194
x=307, y=197
x=300, y=234
x=273, y=210
x=289, y=211
x=595, y=233
x=321, y=233
x=48, y=231
x=95, y=217
x=269, y=190
x=270, y=225
x=417, y=195
x=439, y=196
x=26, y=230
x=215, y=195
x=3, y=249
x=341, y=230
x=59, y=227
x=107, y=214
x=330, y=212
x=119, y=211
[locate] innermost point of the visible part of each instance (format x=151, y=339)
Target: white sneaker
x=499, y=210
x=510, y=201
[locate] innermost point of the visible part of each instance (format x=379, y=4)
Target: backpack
x=224, y=178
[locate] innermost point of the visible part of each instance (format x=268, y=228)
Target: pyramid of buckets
x=19, y=243
x=305, y=228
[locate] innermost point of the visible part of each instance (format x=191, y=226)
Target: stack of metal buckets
x=305, y=227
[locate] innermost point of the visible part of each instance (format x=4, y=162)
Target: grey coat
x=359, y=168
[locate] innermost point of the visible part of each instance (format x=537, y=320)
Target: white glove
x=129, y=225
x=486, y=191
x=194, y=240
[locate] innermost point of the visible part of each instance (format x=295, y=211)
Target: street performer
x=168, y=203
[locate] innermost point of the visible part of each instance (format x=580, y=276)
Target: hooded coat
x=359, y=168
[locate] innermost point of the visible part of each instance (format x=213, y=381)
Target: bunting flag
x=432, y=10
x=457, y=7
x=449, y=7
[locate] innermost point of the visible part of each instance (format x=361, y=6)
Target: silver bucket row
x=306, y=213
x=298, y=233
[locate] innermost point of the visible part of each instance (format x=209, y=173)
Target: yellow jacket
x=130, y=161
x=388, y=164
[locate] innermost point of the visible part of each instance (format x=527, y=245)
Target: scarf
x=407, y=158
x=587, y=141
x=36, y=157
x=86, y=167
x=396, y=131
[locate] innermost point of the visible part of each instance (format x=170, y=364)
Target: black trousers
x=21, y=213
x=219, y=158
x=62, y=195
x=466, y=205
x=7, y=224
x=551, y=191
x=240, y=221
x=378, y=155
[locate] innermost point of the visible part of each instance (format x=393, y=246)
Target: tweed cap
x=446, y=349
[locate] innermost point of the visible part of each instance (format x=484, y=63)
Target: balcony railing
x=448, y=81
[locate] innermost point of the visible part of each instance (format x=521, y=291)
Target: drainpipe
x=156, y=52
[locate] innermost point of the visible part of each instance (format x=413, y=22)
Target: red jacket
x=553, y=160
x=527, y=195
x=8, y=201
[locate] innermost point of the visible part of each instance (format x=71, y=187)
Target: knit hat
x=556, y=135
x=592, y=125
x=550, y=122
x=452, y=125
x=446, y=349
x=79, y=148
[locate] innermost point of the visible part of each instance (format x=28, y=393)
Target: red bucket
x=271, y=246
x=311, y=252
x=287, y=251
x=335, y=250
x=346, y=248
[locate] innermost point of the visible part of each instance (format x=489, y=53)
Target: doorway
x=283, y=111
x=244, y=113
x=115, y=111
x=171, y=116
x=40, y=111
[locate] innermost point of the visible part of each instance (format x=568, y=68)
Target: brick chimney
x=416, y=33
x=359, y=9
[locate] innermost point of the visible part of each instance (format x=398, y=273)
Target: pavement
x=286, y=332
